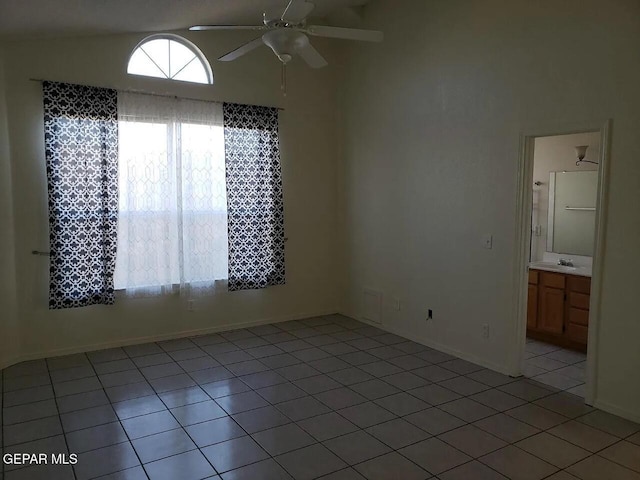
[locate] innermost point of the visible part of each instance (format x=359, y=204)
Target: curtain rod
x=143, y=92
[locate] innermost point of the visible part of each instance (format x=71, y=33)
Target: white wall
x=556, y=154
x=309, y=173
x=433, y=122
x=8, y=305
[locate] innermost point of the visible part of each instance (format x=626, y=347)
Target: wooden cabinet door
x=551, y=305
x=532, y=307
x=578, y=325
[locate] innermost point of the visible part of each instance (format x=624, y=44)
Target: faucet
x=565, y=263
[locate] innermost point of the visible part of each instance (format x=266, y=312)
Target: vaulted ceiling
x=53, y=18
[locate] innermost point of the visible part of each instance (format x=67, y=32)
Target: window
x=171, y=57
x=172, y=225
x=152, y=194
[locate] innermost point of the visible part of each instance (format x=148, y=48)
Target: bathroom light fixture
x=581, y=153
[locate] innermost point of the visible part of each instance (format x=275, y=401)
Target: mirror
x=572, y=212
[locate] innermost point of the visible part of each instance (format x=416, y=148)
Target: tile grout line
x=156, y=394
x=373, y=400
x=119, y=423
x=326, y=374
x=292, y=422
x=55, y=399
x=182, y=427
x=363, y=430
x=360, y=429
x=547, y=371
x=316, y=442
x=199, y=449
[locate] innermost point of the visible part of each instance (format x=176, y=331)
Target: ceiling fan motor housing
x=285, y=42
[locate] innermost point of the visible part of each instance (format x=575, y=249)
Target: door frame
x=524, y=205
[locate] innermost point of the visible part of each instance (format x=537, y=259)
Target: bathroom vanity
x=558, y=305
x=560, y=283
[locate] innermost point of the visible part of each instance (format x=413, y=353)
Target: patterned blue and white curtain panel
x=81, y=149
x=254, y=197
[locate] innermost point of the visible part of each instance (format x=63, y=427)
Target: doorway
x=560, y=230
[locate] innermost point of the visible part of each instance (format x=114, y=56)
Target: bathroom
x=563, y=220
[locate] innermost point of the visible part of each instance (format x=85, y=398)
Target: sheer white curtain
x=172, y=227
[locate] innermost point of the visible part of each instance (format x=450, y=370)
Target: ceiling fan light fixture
x=581, y=152
x=285, y=43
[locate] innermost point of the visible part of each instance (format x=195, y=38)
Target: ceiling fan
x=286, y=34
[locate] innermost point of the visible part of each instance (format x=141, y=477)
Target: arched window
x=172, y=57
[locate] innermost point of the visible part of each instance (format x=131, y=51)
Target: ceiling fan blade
x=240, y=51
x=345, y=33
x=313, y=58
x=198, y=28
x=297, y=11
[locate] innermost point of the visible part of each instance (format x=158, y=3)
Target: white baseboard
x=615, y=410
x=604, y=406
x=504, y=369
x=6, y=362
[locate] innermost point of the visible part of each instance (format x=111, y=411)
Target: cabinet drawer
x=579, y=300
x=578, y=333
x=579, y=284
x=578, y=316
x=553, y=280
x=533, y=277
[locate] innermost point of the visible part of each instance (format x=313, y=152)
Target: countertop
x=552, y=267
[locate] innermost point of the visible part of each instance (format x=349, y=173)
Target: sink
x=552, y=266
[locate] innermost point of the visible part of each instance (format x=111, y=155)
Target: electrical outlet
x=485, y=331
x=429, y=315
x=191, y=305
x=487, y=241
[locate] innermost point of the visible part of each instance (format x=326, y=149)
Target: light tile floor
x=325, y=397
x=555, y=366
